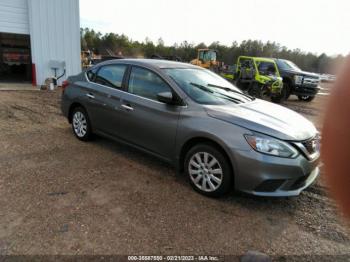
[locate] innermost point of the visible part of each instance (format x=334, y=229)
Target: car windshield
x=287, y=65
x=206, y=87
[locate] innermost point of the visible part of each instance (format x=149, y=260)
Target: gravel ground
x=62, y=196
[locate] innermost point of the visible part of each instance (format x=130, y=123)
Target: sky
x=318, y=26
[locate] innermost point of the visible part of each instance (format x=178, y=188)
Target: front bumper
x=306, y=90
x=265, y=175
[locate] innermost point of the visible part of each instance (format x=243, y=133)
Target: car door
x=104, y=97
x=145, y=121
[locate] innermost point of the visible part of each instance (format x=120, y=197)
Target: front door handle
x=127, y=107
x=90, y=96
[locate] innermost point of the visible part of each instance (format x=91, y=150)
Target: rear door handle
x=127, y=107
x=90, y=96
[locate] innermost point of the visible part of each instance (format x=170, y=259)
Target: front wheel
x=306, y=98
x=208, y=170
x=255, y=90
x=282, y=96
x=287, y=88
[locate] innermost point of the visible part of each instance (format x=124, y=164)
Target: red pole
x=33, y=75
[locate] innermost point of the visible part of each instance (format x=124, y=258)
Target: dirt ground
x=62, y=196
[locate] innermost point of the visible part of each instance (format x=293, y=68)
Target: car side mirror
x=166, y=97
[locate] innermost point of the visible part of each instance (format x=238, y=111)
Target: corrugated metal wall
x=14, y=16
x=55, y=35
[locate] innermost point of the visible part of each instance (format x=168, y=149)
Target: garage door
x=14, y=16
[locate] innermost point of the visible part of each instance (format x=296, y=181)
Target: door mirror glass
x=166, y=97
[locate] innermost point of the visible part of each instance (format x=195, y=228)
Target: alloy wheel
x=205, y=171
x=79, y=124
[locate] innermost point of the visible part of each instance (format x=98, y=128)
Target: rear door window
x=147, y=84
x=111, y=75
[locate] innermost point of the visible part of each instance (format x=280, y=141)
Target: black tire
x=86, y=133
x=281, y=97
x=288, y=90
x=277, y=99
x=237, y=83
x=306, y=98
x=242, y=86
x=255, y=90
x=226, y=175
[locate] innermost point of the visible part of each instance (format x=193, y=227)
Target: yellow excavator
x=206, y=58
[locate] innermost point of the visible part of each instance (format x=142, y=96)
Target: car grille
x=311, y=147
x=311, y=81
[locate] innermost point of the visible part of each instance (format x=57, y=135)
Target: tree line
x=104, y=44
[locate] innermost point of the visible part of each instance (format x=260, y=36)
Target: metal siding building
x=53, y=27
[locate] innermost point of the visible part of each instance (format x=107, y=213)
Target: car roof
x=262, y=59
x=150, y=63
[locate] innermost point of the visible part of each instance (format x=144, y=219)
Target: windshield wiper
x=202, y=87
x=233, y=91
x=206, y=89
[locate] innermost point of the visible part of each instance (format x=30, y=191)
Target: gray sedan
x=202, y=124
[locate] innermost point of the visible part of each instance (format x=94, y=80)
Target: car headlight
x=271, y=146
x=298, y=79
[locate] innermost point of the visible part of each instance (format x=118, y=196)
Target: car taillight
x=64, y=85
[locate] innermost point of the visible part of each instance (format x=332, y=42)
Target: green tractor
x=259, y=77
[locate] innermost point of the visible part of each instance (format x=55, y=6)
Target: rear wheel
x=306, y=98
x=81, y=124
x=208, y=170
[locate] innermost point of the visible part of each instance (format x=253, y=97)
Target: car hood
x=267, y=118
x=303, y=73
